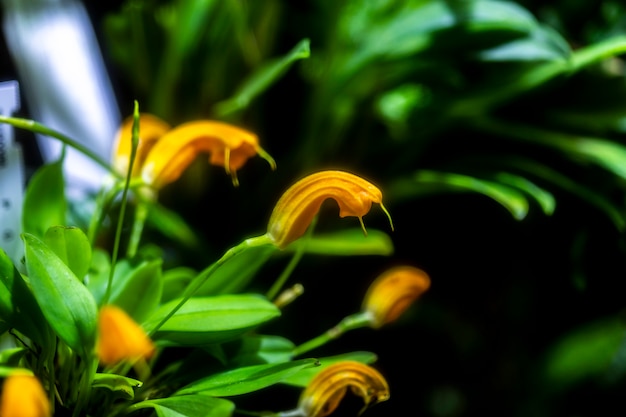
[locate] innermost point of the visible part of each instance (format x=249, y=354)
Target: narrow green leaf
x=123, y=386
x=72, y=246
x=544, y=198
x=8, y=370
x=349, y=242
x=44, y=202
x=171, y=225
x=247, y=379
x=188, y=406
x=12, y=356
x=68, y=306
x=263, y=78
x=236, y=273
x=206, y=320
x=429, y=182
x=18, y=307
x=302, y=378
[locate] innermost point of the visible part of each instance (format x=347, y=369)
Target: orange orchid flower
x=120, y=338
x=151, y=129
x=23, y=396
x=298, y=206
x=326, y=390
x=393, y=292
x=228, y=146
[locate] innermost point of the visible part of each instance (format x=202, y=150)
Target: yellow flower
x=326, y=390
x=23, y=396
x=151, y=128
x=228, y=146
x=120, y=338
x=393, y=292
x=298, y=206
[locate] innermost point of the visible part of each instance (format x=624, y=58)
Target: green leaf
x=123, y=386
x=171, y=225
x=586, y=352
x=44, y=202
x=68, y=306
x=259, y=349
x=206, y=320
x=544, y=198
x=429, y=182
x=248, y=379
x=12, y=356
x=188, y=406
x=302, y=379
x=72, y=246
x=130, y=279
x=348, y=242
x=175, y=280
x=8, y=370
x=263, y=78
x=18, y=307
x=234, y=275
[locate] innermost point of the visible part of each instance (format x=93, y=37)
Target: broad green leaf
x=68, y=306
x=175, y=280
x=206, y=320
x=98, y=274
x=247, y=379
x=234, y=275
x=119, y=384
x=302, y=379
x=428, y=182
x=259, y=349
x=72, y=246
x=130, y=279
x=349, y=242
x=586, y=352
x=262, y=78
x=543, y=44
x=18, y=307
x=44, y=202
x=188, y=406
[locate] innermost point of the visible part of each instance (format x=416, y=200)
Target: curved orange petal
x=393, y=292
x=120, y=338
x=297, y=207
x=229, y=146
x=23, y=396
x=151, y=128
x=326, y=390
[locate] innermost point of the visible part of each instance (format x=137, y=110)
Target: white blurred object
x=11, y=176
x=64, y=81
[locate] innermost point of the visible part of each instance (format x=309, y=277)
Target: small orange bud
x=23, y=396
x=393, y=292
x=297, y=207
x=151, y=128
x=326, y=390
x=228, y=146
x=120, y=338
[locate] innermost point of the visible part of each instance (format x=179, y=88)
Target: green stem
x=202, y=277
x=293, y=262
x=354, y=321
x=141, y=214
x=35, y=127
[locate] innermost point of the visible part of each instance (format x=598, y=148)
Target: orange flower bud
x=23, y=396
x=326, y=390
x=120, y=338
x=228, y=146
x=393, y=292
x=151, y=128
x=297, y=207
